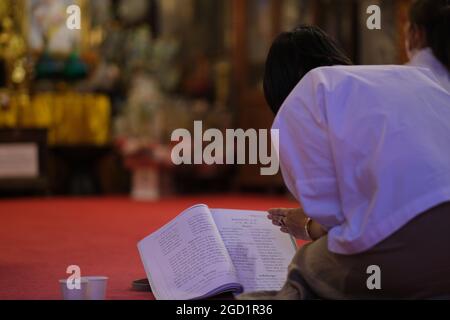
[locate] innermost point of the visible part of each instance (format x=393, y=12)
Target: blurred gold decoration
x=72, y=118
x=8, y=111
x=13, y=108
x=12, y=44
x=4, y=9
x=96, y=37
x=19, y=73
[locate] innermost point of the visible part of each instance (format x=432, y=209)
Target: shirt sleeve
x=306, y=158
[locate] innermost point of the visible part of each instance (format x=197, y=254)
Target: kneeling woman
x=366, y=151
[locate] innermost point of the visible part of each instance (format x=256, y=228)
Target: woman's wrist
x=314, y=230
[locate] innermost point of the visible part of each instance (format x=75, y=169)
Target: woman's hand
x=292, y=221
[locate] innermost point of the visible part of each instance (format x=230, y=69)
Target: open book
x=205, y=252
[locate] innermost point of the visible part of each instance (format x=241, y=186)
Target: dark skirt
x=414, y=263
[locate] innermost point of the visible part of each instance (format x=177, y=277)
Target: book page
x=261, y=253
x=186, y=259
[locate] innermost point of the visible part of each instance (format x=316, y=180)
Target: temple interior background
x=90, y=112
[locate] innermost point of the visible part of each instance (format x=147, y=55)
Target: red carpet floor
x=40, y=238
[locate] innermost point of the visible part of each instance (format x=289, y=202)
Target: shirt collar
x=426, y=58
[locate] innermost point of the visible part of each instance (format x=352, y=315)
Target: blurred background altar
x=90, y=111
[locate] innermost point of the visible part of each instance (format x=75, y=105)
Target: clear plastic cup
x=96, y=288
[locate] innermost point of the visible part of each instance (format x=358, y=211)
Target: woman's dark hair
x=434, y=17
x=292, y=55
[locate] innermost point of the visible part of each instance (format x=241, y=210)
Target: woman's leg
x=414, y=263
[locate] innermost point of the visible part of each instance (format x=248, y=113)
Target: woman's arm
x=293, y=222
x=307, y=158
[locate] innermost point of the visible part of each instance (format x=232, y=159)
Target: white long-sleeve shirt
x=365, y=149
x=425, y=58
